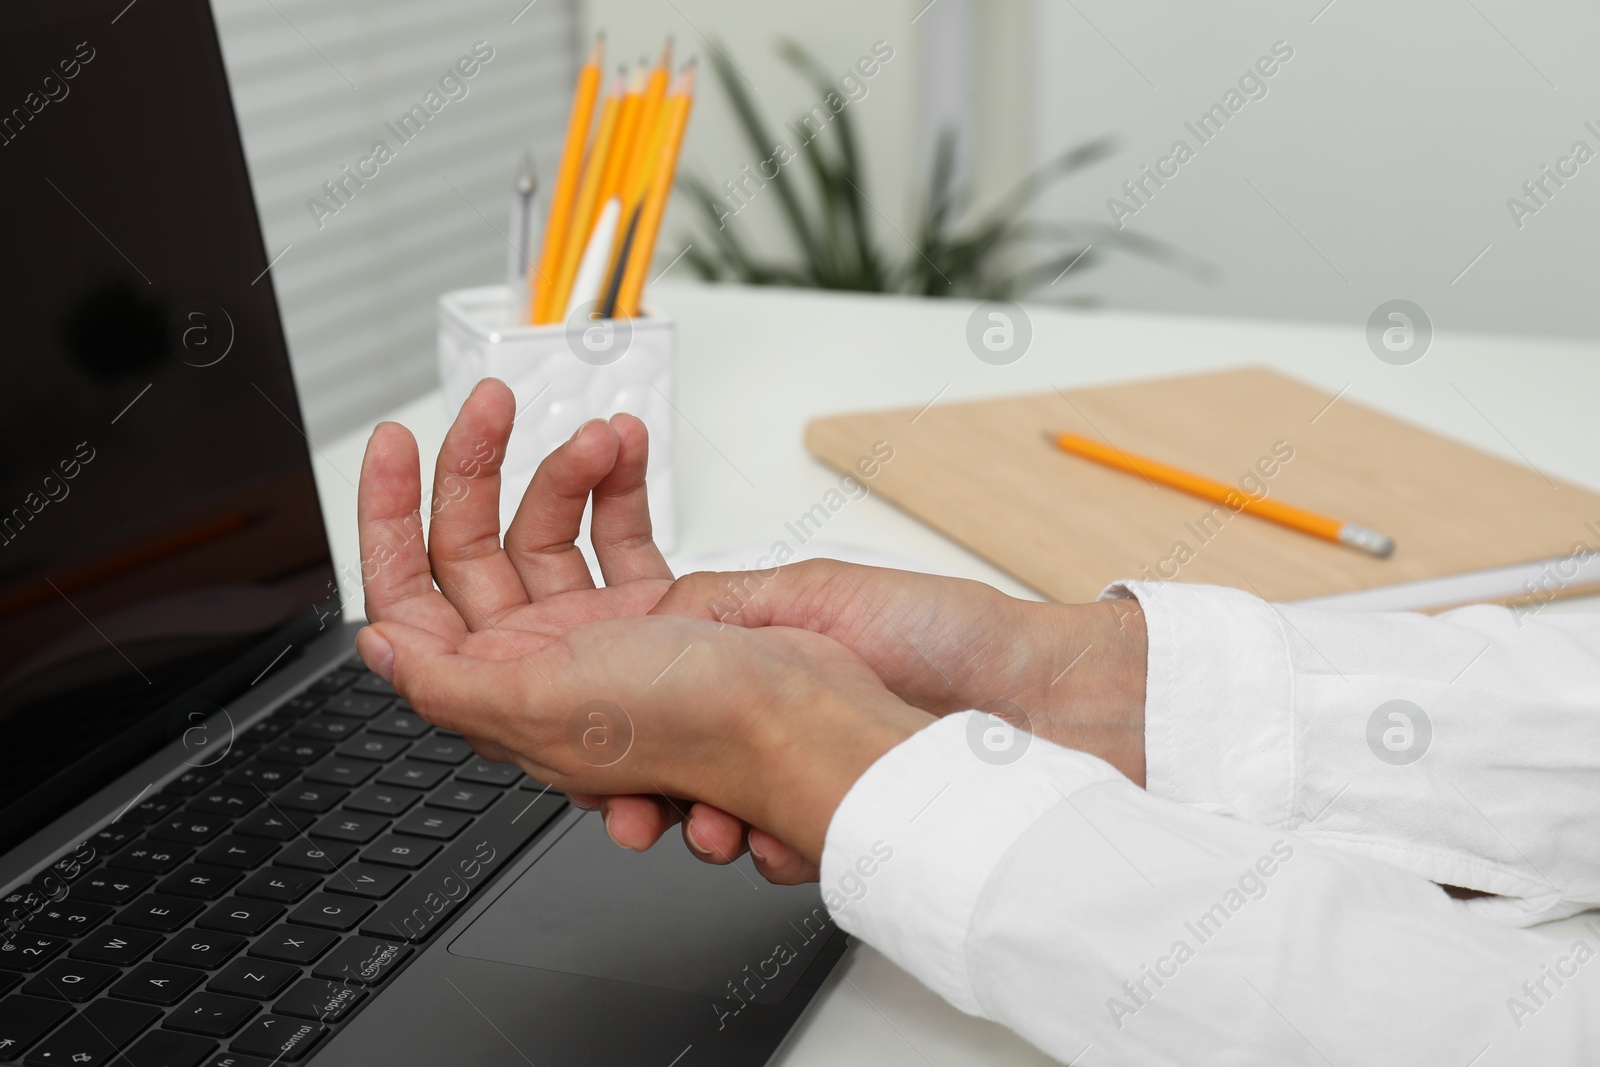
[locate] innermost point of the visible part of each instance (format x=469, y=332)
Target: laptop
x=223, y=842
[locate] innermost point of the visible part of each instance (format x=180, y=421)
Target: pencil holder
x=562, y=376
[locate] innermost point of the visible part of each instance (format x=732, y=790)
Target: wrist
x=806, y=762
x=1080, y=678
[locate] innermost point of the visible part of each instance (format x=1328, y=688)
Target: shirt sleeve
x=1463, y=747
x=1035, y=886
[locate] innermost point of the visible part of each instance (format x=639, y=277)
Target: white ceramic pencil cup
x=563, y=376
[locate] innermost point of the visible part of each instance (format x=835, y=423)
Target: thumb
x=738, y=598
x=457, y=692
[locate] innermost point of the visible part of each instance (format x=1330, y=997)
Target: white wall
x=1378, y=166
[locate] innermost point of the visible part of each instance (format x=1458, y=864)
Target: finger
x=778, y=863
x=620, y=526
x=713, y=835
x=471, y=568
x=803, y=595
x=395, y=572
x=636, y=821
x=542, y=540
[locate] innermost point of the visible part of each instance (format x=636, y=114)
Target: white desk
x=754, y=365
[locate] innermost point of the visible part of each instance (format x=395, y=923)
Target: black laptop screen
x=158, y=518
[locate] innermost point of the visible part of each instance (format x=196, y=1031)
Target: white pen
x=596, y=255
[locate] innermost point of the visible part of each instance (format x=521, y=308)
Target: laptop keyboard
x=244, y=913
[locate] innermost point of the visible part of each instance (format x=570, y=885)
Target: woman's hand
x=772, y=726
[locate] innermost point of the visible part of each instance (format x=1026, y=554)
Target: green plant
x=1000, y=254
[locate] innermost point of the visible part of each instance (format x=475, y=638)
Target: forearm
x=1053, y=896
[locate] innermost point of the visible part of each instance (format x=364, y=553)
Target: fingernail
x=605, y=817
x=694, y=843
x=757, y=853
x=376, y=652
x=579, y=431
x=585, y=805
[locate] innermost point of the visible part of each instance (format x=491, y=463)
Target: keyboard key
x=419, y=908
x=323, y=1002
x=275, y=825
x=368, y=747
x=226, y=800
x=200, y=881
x=360, y=705
x=246, y=853
x=260, y=979
x=23, y=1020
x=330, y=684
x=308, y=796
x=367, y=960
x=263, y=776
x=93, y=1038
x=158, y=983
x=119, y=946
x=483, y=772
x=279, y=1038
x=413, y=775
x=383, y=800
x=279, y=885
x=458, y=796
x=367, y=682
x=68, y=919
x=293, y=944
x=398, y=723
x=235, y=1059
x=237, y=915
x=396, y=851
x=324, y=856
x=111, y=887
x=440, y=825
x=331, y=912
x=150, y=809
x=441, y=749
x=70, y=980
x=189, y=828
x=337, y=770
x=192, y=781
x=298, y=707
x=157, y=912
x=295, y=750
x=163, y=1048
x=349, y=826
x=8, y=979
x=29, y=952
x=367, y=880
x=325, y=728
x=211, y=1014
x=113, y=837
x=154, y=857
x=71, y=867
x=205, y=949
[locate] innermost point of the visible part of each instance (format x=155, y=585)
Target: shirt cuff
x=915, y=840
x=1219, y=699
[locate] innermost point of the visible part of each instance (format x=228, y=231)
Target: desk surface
x=755, y=365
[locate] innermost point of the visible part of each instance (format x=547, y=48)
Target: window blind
x=368, y=236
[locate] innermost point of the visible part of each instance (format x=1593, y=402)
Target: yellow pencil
x=588, y=202
x=675, y=120
x=1344, y=533
x=627, y=127
x=560, y=217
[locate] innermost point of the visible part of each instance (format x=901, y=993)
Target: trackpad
x=660, y=918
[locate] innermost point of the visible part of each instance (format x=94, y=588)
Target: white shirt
x=1270, y=899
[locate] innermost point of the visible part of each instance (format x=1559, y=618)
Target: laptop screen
x=160, y=534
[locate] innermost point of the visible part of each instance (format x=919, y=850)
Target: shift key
x=423, y=904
